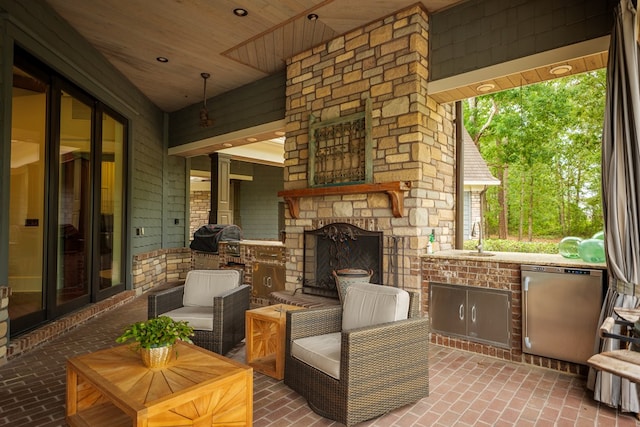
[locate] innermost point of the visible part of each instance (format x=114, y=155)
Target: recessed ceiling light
x=312, y=17
x=227, y=144
x=486, y=87
x=561, y=69
x=280, y=133
x=240, y=11
x=162, y=59
x=252, y=139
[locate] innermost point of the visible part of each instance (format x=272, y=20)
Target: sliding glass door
x=27, y=198
x=67, y=198
x=73, y=225
x=111, y=203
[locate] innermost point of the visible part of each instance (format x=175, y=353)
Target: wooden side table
x=266, y=328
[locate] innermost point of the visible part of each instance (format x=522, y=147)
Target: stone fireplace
x=408, y=185
x=339, y=246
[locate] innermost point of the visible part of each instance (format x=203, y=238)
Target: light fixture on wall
x=205, y=121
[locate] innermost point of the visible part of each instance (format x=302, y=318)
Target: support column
x=221, y=212
x=459, y=227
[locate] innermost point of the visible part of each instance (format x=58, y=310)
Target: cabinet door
x=266, y=279
x=447, y=309
x=489, y=316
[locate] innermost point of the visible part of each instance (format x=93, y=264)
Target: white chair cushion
x=367, y=305
x=201, y=286
x=320, y=351
x=200, y=318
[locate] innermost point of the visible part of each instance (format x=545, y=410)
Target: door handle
x=525, y=305
x=525, y=310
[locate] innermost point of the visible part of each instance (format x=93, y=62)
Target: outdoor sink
x=480, y=254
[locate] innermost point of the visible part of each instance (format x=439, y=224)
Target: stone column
x=386, y=61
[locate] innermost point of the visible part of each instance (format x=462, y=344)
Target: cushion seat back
x=201, y=286
x=367, y=304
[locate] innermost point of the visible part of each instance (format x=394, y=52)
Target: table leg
x=249, y=339
x=72, y=392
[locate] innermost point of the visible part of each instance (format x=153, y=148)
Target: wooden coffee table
x=265, y=337
x=113, y=388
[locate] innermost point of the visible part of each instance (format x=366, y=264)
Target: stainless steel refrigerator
x=560, y=311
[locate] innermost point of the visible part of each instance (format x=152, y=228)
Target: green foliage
x=497, y=245
x=546, y=138
x=157, y=332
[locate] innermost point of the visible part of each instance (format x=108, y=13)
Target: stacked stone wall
x=413, y=136
x=199, y=207
x=155, y=268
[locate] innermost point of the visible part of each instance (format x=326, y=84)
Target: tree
x=543, y=142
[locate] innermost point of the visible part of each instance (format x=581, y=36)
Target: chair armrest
x=390, y=349
x=313, y=321
x=234, y=300
x=414, y=304
x=229, y=311
x=163, y=301
x=607, y=330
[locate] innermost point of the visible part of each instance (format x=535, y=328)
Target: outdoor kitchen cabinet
x=267, y=278
x=476, y=314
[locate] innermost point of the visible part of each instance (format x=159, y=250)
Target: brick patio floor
x=466, y=389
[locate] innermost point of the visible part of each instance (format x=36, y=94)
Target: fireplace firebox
x=339, y=246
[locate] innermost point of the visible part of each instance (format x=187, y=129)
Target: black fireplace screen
x=337, y=246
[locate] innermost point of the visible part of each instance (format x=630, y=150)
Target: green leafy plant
x=157, y=332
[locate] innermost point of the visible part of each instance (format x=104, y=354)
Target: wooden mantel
x=395, y=190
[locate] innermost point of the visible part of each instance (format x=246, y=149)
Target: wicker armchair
x=381, y=367
x=213, y=301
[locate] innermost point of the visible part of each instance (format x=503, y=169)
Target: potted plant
x=156, y=337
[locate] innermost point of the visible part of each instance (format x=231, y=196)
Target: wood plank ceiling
x=199, y=36
x=205, y=36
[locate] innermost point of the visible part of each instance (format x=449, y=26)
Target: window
x=543, y=143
